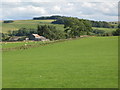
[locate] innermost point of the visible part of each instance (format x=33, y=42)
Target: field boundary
x=23, y=47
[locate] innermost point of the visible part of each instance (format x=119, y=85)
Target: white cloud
x=23, y=12
x=89, y=5
x=108, y=8
x=89, y=10
x=60, y=1
x=57, y=8
x=70, y=4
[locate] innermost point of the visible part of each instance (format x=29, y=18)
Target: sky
x=106, y=10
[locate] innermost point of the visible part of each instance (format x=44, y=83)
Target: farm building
x=15, y=38
x=37, y=37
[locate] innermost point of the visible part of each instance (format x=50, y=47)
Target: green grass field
x=27, y=24
x=105, y=29
x=6, y=45
x=81, y=63
x=34, y=23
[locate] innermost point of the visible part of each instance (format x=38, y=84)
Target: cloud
x=60, y=1
x=19, y=12
x=89, y=10
x=57, y=8
x=110, y=9
x=89, y=5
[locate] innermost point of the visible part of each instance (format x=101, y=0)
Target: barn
x=37, y=37
x=15, y=38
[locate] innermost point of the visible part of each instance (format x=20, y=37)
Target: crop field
x=27, y=24
x=90, y=62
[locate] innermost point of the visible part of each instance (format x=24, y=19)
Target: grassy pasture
x=81, y=63
x=27, y=24
x=33, y=21
x=17, y=44
x=17, y=24
x=105, y=29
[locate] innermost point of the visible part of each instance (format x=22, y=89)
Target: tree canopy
x=117, y=32
x=74, y=26
x=50, y=32
x=103, y=24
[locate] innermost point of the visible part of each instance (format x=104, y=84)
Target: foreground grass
x=82, y=63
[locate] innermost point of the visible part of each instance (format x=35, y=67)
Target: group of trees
x=22, y=32
x=4, y=37
x=47, y=17
x=60, y=20
x=101, y=24
x=50, y=32
x=117, y=32
x=74, y=27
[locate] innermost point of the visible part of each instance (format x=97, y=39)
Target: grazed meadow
x=90, y=62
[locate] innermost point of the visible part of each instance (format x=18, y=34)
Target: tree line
x=47, y=17
x=101, y=24
x=61, y=20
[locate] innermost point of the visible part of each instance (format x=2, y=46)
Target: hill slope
x=34, y=23
x=26, y=24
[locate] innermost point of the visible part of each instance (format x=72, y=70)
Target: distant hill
x=57, y=21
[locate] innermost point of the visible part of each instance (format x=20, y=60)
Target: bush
x=22, y=32
x=117, y=32
x=8, y=21
x=4, y=37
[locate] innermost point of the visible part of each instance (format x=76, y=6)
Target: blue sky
x=93, y=10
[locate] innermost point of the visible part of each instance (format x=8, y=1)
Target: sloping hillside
x=26, y=24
